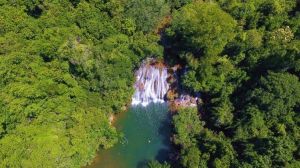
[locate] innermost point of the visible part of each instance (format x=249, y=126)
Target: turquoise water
x=146, y=137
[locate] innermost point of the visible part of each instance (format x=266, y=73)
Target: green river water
x=146, y=132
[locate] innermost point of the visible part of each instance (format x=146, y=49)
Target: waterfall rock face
x=151, y=85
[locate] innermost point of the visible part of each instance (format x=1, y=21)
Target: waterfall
x=151, y=85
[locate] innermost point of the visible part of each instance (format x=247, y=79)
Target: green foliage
x=65, y=66
x=156, y=164
x=270, y=110
x=269, y=14
x=277, y=95
x=187, y=126
x=212, y=74
x=179, y=3
x=243, y=57
x=146, y=13
x=191, y=158
x=202, y=28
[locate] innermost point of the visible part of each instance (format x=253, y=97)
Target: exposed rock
x=111, y=119
x=186, y=101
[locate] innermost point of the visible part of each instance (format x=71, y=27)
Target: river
x=146, y=137
x=146, y=125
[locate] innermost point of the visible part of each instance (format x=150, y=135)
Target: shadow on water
x=142, y=164
x=164, y=155
x=165, y=132
x=147, y=131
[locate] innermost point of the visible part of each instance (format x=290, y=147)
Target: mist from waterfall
x=151, y=85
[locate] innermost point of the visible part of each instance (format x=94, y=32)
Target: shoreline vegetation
x=174, y=104
x=67, y=70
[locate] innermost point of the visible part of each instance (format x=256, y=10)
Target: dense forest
x=244, y=59
x=67, y=65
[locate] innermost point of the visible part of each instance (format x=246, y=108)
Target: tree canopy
x=67, y=65
x=242, y=57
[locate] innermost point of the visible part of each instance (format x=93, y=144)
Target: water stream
x=151, y=85
x=146, y=125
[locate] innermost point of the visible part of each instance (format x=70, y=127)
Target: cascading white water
x=151, y=85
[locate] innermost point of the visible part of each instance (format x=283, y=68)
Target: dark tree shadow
x=167, y=154
x=142, y=164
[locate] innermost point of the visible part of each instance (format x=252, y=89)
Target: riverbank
x=146, y=136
